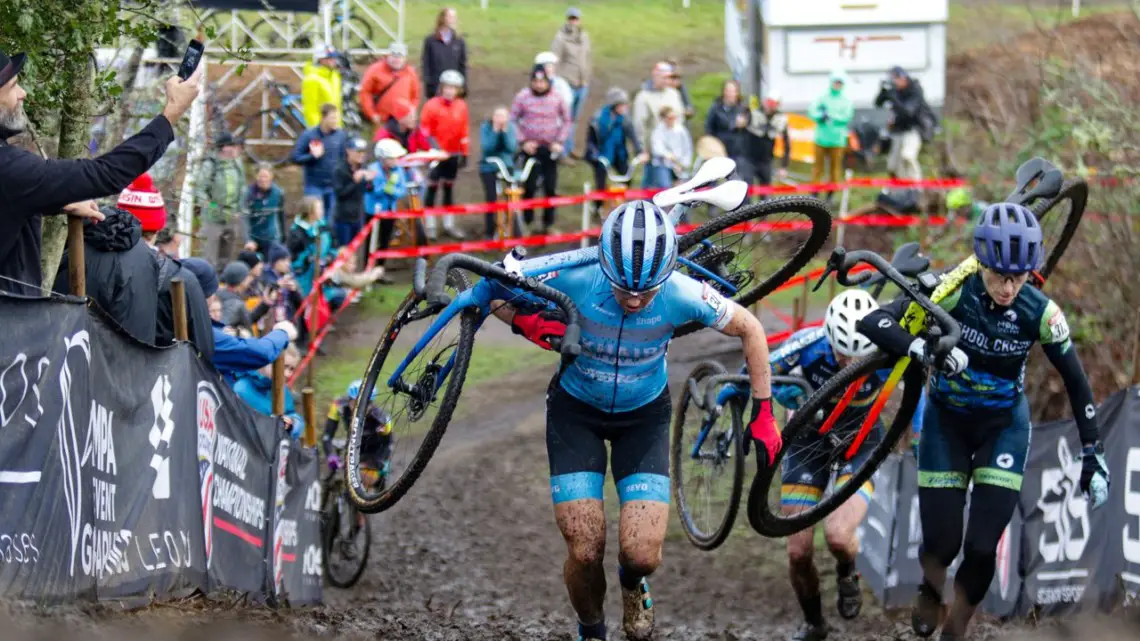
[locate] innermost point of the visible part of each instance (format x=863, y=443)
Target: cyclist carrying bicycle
x=376, y=442
x=976, y=425
x=820, y=353
x=631, y=301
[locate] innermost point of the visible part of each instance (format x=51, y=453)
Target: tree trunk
x=120, y=118
x=74, y=134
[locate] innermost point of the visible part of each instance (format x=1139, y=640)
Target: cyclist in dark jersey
x=375, y=443
x=976, y=424
x=817, y=355
x=616, y=390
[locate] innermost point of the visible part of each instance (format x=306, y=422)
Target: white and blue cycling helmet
x=353, y=390
x=638, y=246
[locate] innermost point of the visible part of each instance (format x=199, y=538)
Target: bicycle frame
x=733, y=387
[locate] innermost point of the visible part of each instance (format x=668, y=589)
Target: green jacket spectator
x=832, y=113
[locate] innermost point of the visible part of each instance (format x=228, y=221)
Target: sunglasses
x=626, y=295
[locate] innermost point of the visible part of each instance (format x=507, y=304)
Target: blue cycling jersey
x=622, y=364
x=810, y=350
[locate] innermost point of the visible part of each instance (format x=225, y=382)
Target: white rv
x=792, y=45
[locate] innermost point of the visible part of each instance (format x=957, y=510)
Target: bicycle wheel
x=346, y=541
x=1059, y=217
x=270, y=135
x=418, y=423
x=708, y=505
x=267, y=35
x=746, y=254
x=765, y=512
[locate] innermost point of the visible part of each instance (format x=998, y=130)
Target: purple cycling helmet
x=1008, y=239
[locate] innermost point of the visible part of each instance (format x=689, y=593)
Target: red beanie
x=145, y=202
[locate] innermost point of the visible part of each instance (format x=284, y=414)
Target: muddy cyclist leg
x=803, y=481
x=640, y=458
x=577, y=473
x=997, y=484
x=840, y=531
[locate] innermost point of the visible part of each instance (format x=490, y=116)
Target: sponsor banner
x=308, y=6
x=1056, y=556
x=131, y=471
x=297, y=529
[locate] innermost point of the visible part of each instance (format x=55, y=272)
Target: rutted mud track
x=472, y=554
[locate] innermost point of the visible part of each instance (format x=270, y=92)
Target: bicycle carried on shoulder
x=421, y=389
x=829, y=411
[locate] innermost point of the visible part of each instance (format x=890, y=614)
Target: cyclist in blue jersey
x=616, y=390
x=976, y=424
x=819, y=354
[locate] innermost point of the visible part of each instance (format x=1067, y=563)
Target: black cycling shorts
x=639, y=448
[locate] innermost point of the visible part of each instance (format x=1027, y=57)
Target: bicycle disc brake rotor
x=717, y=261
x=423, y=392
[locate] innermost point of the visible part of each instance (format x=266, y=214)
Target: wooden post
x=796, y=314
x=76, y=268
x=309, y=405
x=806, y=303
x=178, y=306
x=279, y=385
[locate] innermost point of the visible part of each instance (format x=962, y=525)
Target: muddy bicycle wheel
x=1059, y=217
x=345, y=551
x=822, y=434
x=711, y=447
x=420, y=402
x=746, y=254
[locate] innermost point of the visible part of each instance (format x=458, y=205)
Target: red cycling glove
x=537, y=329
x=763, y=430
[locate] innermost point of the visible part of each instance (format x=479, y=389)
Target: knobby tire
x=332, y=527
x=1077, y=192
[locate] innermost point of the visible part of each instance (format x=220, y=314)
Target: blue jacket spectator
x=387, y=189
x=265, y=211
x=256, y=389
x=319, y=151
x=234, y=355
x=499, y=140
x=610, y=135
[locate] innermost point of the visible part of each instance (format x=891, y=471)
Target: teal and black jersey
x=997, y=341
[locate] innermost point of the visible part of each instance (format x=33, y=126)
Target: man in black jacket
x=199, y=326
x=350, y=182
x=32, y=187
x=908, y=123
x=122, y=273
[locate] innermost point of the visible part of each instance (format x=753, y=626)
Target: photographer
x=910, y=123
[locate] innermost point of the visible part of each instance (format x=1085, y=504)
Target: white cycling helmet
x=451, y=77
x=546, y=58
x=389, y=149
x=844, y=311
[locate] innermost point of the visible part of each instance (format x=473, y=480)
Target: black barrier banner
x=131, y=471
x=306, y=6
x=236, y=463
x=1079, y=558
x=297, y=528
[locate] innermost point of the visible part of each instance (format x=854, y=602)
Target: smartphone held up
x=190, y=59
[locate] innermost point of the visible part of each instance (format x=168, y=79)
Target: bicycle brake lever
x=823, y=277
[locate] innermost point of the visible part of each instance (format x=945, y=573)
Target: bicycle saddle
x=1047, y=178
x=907, y=261
x=726, y=196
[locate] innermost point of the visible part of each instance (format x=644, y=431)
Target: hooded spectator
x=572, y=47
x=386, y=82
x=647, y=105
x=256, y=389
x=389, y=184
x=200, y=283
x=499, y=140
x=319, y=151
x=767, y=125
x=352, y=178
x=610, y=136
x=321, y=85
x=444, y=50
x=218, y=192
x=542, y=119
x=122, y=273
x=910, y=122
x=32, y=187
x=444, y=119
x=832, y=112
x=727, y=121
x=234, y=282
x=264, y=210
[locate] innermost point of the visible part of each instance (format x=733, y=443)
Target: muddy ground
x=473, y=554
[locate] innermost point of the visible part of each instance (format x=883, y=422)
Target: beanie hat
x=617, y=96
x=539, y=71
x=205, y=274
x=401, y=108
x=235, y=273
x=142, y=200
x=250, y=258
x=277, y=252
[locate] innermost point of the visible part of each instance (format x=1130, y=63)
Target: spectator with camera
x=911, y=122
x=832, y=112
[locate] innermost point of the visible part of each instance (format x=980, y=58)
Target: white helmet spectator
x=451, y=77
x=774, y=96
x=389, y=149
x=398, y=49
x=323, y=51
x=844, y=311
x=546, y=58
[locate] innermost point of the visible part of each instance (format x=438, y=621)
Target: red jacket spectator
x=446, y=121
x=401, y=127
x=387, y=82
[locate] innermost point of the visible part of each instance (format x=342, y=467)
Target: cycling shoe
x=810, y=632
x=850, y=598
x=637, y=612
x=927, y=610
